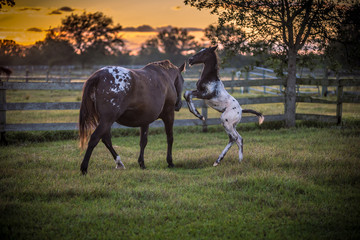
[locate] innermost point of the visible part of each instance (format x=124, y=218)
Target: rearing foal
x=211, y=89
x=133, y=98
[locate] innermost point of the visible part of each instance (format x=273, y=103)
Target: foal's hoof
x=120, y=167
x=215, y=164
x=171, y=165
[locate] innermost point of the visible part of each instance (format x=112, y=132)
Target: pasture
x=301, y=183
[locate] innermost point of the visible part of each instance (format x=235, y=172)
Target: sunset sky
x=29, y=20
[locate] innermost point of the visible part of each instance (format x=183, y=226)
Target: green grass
x=302, y=183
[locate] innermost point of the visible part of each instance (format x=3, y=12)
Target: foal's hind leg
x=107, y=141
x=233, y=137
x=223, y=153
x=240, y=143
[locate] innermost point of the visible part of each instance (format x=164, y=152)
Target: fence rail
x=339, y=83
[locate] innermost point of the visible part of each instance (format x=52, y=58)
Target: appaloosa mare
x=211, y=89
x=133, y=98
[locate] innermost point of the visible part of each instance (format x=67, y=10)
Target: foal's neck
x=210, y=72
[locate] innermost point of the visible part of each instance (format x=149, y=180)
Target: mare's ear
x=182, y=67
x=213, y=48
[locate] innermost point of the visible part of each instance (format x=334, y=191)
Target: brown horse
x=133, y=98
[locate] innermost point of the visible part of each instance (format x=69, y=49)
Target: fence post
x=340, y=92
x=2, y=113
x=263, y=77
x=246, y=89
x=324, y=87
x=232, y=81
x=27, y=75
x=47, y=75
x=204, y=112
x=69, y=74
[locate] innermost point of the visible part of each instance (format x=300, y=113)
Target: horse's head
x=203, y=55
x=179, y=85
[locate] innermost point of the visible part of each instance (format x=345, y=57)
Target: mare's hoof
x=215, y=164
x=83, y=169
x=171, y=165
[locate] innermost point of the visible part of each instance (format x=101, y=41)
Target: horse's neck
x=210, y=72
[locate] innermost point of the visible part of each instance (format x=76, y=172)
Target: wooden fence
x=336, y=118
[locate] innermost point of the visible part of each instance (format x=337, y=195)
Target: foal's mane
x=217, y=62
x=166, y=64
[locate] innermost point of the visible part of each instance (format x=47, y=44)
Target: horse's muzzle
x=191, y=61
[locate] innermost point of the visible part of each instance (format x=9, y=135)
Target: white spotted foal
x=211, y=89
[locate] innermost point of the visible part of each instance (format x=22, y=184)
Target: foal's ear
x=182, y=67
x=213, y=48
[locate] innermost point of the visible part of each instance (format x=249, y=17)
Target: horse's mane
x=166, y=64
x=217, y=62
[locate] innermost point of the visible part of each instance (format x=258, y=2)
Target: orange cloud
x=34, y=29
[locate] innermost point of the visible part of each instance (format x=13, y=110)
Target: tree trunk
x=290, y=91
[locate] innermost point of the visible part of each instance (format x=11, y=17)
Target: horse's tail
x=260, y=116
x=89, y=117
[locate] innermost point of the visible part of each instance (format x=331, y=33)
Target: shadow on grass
x=196, y=163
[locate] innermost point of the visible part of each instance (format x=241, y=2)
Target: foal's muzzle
x=191, y=61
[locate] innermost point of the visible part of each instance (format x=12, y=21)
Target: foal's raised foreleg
x=107, y=141
x=143, y=142
x=188, y=95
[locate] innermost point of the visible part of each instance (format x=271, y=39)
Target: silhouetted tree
x=10, y=3
x=10, y=52
x=344, y=49
x=91, y=33
x=173, y=43
x=149, y=51
x=176, y=41
x=283, y=27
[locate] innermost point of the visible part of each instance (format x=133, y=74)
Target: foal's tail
x=89, y=117
x=260, y=116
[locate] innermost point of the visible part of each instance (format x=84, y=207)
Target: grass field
x=302, y=183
